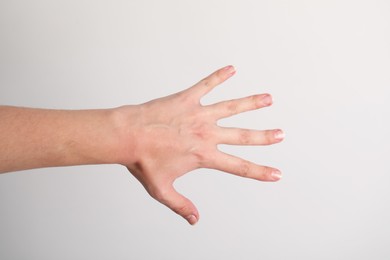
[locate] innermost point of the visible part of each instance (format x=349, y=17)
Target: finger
x=178, y=203
x=236, y=136
x=232, y=107
x=240, y=167
x=207, y=84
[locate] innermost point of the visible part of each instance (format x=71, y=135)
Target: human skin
x=157, y=141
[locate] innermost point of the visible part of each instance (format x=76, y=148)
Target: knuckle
x=254, y=100
x=258, y=100
x=184, y=97
x=181, y=208
x=205, y=82
x=245, y=136
x=200, y=157
x=218, y=76
x=265, y=172
x=204, y=157
x=159, y=194
x=244, y=168
x=269, y=137
x=203, y=132
x=232, y=107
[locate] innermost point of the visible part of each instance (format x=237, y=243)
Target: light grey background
x=327, y=65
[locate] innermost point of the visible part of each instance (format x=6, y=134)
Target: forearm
x=34, y=138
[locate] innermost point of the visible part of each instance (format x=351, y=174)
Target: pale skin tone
x=157, y=141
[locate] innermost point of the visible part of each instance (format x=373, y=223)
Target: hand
x=173, y=135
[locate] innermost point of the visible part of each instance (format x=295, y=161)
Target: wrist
x=125, y=120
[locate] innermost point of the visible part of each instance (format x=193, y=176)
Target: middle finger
x=238, y=136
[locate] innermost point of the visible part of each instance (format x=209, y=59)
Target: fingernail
x=192, y=219
x=230, y=70
x=279, y=134
x=276, y=175
x=267, y=100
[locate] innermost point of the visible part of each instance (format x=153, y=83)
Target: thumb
x=179, y=204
